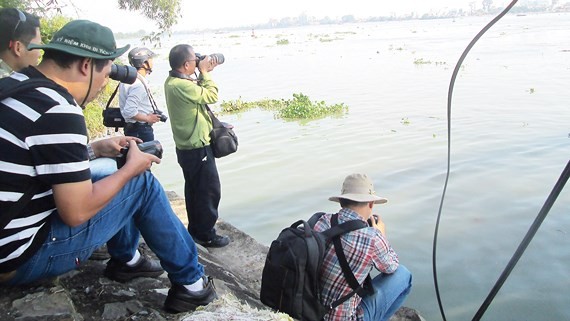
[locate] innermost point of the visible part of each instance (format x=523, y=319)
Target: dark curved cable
x=527, y=238
x=449, y=96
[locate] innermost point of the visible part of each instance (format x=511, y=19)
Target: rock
x=85, y=295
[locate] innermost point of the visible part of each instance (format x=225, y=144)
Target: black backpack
x=290, y=281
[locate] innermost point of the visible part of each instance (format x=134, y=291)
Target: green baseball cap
x=84, y=38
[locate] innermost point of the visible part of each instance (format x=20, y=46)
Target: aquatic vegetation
x=405, y=121
x=421, y=61
x=300, y=107
x=283, y=42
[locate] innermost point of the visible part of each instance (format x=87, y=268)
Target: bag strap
x=112, y=96
x=215, y=121
x=18, y=206
x=28, y=84
x=24, y=85
x=356, y=287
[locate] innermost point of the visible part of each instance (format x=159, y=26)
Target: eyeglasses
x=22, y=17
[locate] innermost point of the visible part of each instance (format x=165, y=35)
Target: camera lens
x=122, y=73
x=218, y=58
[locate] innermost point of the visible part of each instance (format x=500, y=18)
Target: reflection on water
x=510, y=140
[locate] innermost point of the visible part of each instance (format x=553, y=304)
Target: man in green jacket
x=186, y=99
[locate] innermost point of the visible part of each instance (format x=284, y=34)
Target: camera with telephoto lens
x=124, y=74
x=161, y=115
x=216, y=57
x=153, y=147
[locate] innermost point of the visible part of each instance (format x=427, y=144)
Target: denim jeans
x=390, y=291
x=202, y=190
x=139, y=130
x=140, y=208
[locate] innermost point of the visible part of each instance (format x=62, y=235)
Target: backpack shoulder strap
x=24, y=85
x=356, y=287
x=9, y=91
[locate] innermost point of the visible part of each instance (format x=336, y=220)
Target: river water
x=509, y=143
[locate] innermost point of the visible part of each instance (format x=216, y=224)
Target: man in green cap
x=55, y=210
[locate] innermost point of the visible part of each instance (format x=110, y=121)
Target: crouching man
x=54, y=212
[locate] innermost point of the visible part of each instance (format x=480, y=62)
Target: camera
x=161, y=115
x=372, y=217
x=216, y=57
x=153, y=147
x=124, y=74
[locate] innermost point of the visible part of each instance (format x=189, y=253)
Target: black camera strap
x=150, y=98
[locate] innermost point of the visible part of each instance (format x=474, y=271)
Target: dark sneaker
x=216, y=241
x=121, y=272
x=100, y=254
x=180, y=299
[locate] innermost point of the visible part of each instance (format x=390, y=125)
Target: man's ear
x=85, y=66
x=17, y=47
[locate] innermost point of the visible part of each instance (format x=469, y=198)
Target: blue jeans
x=140, y=130
x=202, y=190
x=140, y=208
x=390, y=291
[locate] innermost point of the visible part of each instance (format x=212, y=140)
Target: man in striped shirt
x=364, y=249
x=72, y=210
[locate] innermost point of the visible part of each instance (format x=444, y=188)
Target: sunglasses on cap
x=22, y=19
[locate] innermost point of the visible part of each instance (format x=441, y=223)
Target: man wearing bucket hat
x=365, y=249
x=54, y=210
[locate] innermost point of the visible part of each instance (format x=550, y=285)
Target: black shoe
x=216, y=241
x=180, y=299
x=100, y=254
x=121, y=272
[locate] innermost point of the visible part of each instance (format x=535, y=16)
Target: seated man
x=53, y=211
x=19, y=29
x=364, y=249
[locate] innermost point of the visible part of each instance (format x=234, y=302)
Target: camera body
x=161, y=115
x=124, y=74
x=216, y=57
x=153, y=147
x=372, y=217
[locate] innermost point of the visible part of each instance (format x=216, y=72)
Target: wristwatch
x=91, y=152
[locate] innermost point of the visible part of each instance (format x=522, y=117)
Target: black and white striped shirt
x=43, y=140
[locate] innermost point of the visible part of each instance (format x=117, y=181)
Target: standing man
x=19, y=29
x=186, y=99
x=365, y=249
x=54, y=211
x=136, y=100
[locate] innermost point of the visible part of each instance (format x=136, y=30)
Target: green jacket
x=5, y=70
x=189, y=120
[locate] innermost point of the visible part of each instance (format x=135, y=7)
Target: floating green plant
x=300, y=107
x=283, y=42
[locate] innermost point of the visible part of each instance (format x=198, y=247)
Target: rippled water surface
x=510, y=137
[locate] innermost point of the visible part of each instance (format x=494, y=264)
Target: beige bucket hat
x=358, y=188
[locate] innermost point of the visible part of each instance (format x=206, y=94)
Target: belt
x=137, y=124
x=5, y=277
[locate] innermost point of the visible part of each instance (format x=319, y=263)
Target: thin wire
x=449, y=98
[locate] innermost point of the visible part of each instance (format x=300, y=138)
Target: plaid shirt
x=364, y=248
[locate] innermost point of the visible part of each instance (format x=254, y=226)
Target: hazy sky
x=226, y=13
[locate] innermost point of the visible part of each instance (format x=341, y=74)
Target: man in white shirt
x=136, y=102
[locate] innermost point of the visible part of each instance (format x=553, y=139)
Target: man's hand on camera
x=137, y=161
x=377, y=223
x=111, y=147
x=207, y=64
x=152, y=118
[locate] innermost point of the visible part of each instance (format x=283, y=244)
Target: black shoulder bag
x=112, y=116
x=223, y=140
